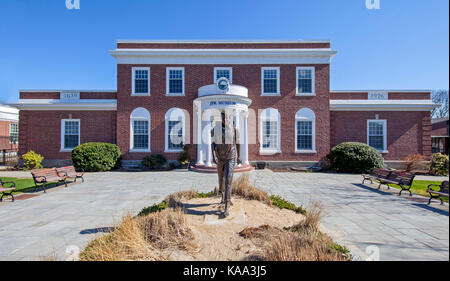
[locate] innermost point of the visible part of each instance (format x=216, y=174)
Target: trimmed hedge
x=354, y=157
x=96, y=156
x=154, y=161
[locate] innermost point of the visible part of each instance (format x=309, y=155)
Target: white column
x=199, y=136
x=237, y=124
x=208, y=139
x=245, y=146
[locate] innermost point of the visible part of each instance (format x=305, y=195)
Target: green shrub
x=283, y=204
x=342, y=249
x=439, y=164
x=154, y=208
x=354, y=157
x=184, y=157
x=154, y=161
x=96, y=156
x=32, y=160
x=205, y=195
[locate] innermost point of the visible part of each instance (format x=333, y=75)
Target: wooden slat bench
x=44, y=176
x=7, y=191
x=379, y=175
x=402, y=179
x=439, y=193
x=385, y=177
x=70, y=172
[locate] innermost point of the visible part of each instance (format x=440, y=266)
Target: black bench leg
x=6, y=194
x=429, y=201
x=38, y=186
x=442, y=201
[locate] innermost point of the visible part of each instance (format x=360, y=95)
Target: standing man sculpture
x=225, y=150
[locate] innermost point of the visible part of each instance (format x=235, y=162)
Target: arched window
x=269, y=131
x=305, y=131
x=140, y=130
x=175, y=130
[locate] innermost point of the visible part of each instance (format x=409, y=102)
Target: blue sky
x=43, y=45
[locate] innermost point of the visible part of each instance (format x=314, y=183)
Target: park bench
x=438, y=194
x=385, y=177
x=377, y=174
x=70, y=172
x=44, y=176
x=5, y=191
x=402, y=179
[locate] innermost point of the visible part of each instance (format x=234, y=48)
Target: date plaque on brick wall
x=378, y=96
x=69, y=96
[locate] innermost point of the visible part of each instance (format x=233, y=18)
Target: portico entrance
x=212, y=99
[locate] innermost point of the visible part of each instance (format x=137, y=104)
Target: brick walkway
x=363, y=219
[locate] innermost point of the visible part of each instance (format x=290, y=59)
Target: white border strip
x=389, y=91
x=222, y=41
x=382, y=105
x=223, y=56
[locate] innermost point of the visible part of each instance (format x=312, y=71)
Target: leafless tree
x=440, y=97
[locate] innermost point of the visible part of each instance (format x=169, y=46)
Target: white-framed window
x=270, y=81
x=70, y=134
x=175, y=81
x=305, y=131
x=226, y=72
x=270, y=132
x=175, y=130
x=13, y=133
x=141, y=81
x=140, y=130
x=377, y=134
x=305, y=77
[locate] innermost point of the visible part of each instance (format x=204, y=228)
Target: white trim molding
x=133, y=81
x=62, y=146
x=389, y=91
x=168, y=69
x=56, y=104
x=306, y=114
x=277, y=69
x=313, y=81
x=382, y=105
x=230, y=69
x=269, y=114
x=384, y=122
x=223, y=56
x=8, y=113
x=221, y=41
x=139, y=114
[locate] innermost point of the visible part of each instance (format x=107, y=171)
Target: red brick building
x=169, y=93
x=9, y=133
x=439, y=135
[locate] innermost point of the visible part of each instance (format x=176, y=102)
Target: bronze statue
x=225, y=150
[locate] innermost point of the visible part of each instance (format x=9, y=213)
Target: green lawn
x=22, y=185
x=420, y=187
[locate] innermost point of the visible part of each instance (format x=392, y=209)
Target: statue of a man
x=225, y=148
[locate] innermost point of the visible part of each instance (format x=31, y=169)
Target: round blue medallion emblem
x=223, y=84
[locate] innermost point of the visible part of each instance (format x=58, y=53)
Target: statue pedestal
x=237, y=169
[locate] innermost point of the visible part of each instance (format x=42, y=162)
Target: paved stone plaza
x=367, y=221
